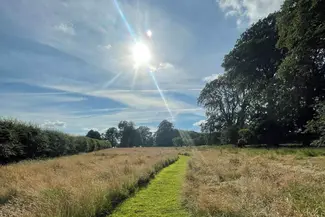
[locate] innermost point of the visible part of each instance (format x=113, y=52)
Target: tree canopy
x=93, y=134
x=273, y=77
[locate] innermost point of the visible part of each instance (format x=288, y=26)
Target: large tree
x=112, y=135
x=225, y=104
x=146, y=137
x=128, y=133
x=165, y=134
x=249, y=94
x=252, y=66
x=301, y=25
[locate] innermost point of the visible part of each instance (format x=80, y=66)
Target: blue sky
x=67, y=64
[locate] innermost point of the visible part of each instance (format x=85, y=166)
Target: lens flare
x=149, y=33
x=141, y=54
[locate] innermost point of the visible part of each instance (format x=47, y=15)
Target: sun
x=141, y=54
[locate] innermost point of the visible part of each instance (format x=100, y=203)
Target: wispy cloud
x=76, y=47
x=249, y=11
x=104, y=47
x=66, y=28
x=54, y=124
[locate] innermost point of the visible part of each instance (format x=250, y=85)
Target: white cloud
x=105, y=47
x=98, y=25
x=199, y=123
x=249, y=10
x=211, y=77
x=54, y=124
x=166, y=65
x=65, y=28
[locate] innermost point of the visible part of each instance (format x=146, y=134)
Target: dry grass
x=240, y=182
x=80, y=185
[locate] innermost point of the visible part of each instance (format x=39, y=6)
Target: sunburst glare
x=141, y=54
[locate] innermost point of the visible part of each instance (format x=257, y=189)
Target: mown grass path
x=162, y=196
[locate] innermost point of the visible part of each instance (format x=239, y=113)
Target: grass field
x=162, y=198
x=256, y=182
x=219, y=181
x=81, y=185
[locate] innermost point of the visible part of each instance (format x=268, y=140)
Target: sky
x=69, y=65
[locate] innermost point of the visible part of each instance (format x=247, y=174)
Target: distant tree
x=145, y=135
x=178, y=141
x=93, y=134
x=165, y=134
x=128, y=134
x=112, y=135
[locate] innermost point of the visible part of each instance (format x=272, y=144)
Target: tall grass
x=82, y=185
x=250, y=182
x=19, y=141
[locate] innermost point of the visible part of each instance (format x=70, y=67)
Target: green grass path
x=161, y=198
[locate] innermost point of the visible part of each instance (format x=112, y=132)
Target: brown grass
x=80, y=185
x=235, y=182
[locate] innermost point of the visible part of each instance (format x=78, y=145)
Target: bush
x=19, y=141
x=245, y=137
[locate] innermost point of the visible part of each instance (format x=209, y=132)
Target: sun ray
x=146, y=57
x=161, y=95
x=108, y=83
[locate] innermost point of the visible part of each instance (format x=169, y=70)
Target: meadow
x=89, y=184
x=236, y=182
x=209, y=181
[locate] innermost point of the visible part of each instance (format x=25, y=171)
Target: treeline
x=273, y=88
x=128, y=135
x=20, y=141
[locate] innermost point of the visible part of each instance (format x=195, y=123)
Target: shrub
x=245, y=137
x=19, y=141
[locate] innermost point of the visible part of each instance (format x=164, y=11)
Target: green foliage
x=317, y=125
x=224, y=102
x=229, y=135
x=269, y=132
x=19, y=141
x=165, y=134
x=112, y=135
x=178, y=142
x=273, y=77
x=128, y=133
x=145, y=135
x=301, y=25
x=245, y=137
x=93, y=134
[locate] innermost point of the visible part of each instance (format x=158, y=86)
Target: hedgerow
x=20, y=141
